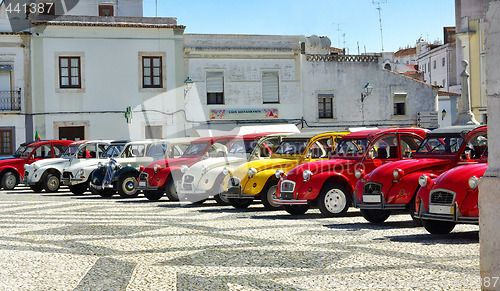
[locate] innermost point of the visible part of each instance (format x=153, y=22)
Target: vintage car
x=12, y=169
x=77, y=173
x=329, y=184
x=164, y=176
x=257, y=179
x=451, y=198
x=394, y=186
x=204, y=179
x=120, y=174
x=46, y=174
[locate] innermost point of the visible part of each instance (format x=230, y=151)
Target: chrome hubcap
x=129, y=186
x=335, y=201
x=10, y=181
x=271, y=194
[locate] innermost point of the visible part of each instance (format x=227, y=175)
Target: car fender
x=122, y=171
x=7, y=168
x=255, y=184
x=207, y=181
x=403, y=191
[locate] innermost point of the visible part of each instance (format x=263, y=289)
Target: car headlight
x=80, y=172
x=156, y=168
x=307, y=175
x=252, y=172
x=204, y=169
x=280, y=173
x=184, y=168
x=36, y=167
x=100, y=165
x=360, y=173
x=473, y=182
x=226, y=171
x=397, y=174
x=113, y=166
x=422, y=181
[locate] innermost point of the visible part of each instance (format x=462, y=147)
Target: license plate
x=142, y=183
x=371, y=198
x=440, y=209
x=187, y=187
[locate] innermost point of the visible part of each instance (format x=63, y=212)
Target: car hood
x=408, y=166
x=323, y=166
x=12, y=161
x=80, y=164
x=172, y=162
x=457, y=178
x=48, y=162
x=213, y=163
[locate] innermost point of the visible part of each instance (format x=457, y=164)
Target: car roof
x=47, y=141
x=311, y=134
x=213, y=138
x=120, y=141
x=454, y=130
x=368, y=133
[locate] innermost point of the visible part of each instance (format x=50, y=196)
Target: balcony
x=10, y=100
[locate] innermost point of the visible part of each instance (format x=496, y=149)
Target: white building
x=87, y=70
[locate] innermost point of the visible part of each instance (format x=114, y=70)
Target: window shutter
x=215, y=82
x=270, y=87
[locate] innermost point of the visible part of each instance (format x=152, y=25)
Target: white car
x=76, y=174
x=121, y=173
x=46, y=174
x=204, y=179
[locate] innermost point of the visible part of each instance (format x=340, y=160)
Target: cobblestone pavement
x=60, y=241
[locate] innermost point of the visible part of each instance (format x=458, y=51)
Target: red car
x=394, y=186
x=329, y=184
x=161, y=176
x=451, y=198
x=12, y=168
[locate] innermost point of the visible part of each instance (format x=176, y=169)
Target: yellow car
x=258, y=179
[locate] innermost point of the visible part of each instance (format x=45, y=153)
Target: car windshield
x=19, y=151
x=440, y=145
x=113, y=151
x=241, y=148
x=351, y=147
x=195, y=149
x=28, y=151
x=292, y=147
x=71, y=150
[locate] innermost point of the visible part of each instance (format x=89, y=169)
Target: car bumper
x=144, y=185
x=72, y=181
x=445, y=213
x=378, y=203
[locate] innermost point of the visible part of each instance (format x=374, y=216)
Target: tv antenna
x=379, y=8
x=338, y=33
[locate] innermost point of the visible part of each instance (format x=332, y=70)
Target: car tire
x=127, y=186
x=51, y=183
x=438, y=227
x=333, y=200
x=411, y=208
x=37, y=188
x=9, y=181
x=153, y=195
x=78, y=189
x=296, y=209
x=267, y=194
x=221, y=200
x=171, y=191
x=375, y=215
x=239, y=203
x=106, y=193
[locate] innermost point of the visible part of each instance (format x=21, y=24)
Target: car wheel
x=221, y=200
x=438, y=227
x=375, y=215
x=333, y=200
x=9, y=181
x=127, y=186
x=78, y=189
x=105, y=192
x=37, y=188
x=153, y=195
x=296, y=209
x=240, y=203
x=268, y=194
x=51, y=183
x=171, y=191
x=411, y=207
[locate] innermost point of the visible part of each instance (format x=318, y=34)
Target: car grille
x=188, y=187
x=143, y=177
x=188, y=179
x=233, y=182
x=110, y=172
x=442, y=197
x=372, y=188
x=26, y=174
x=286, y=196
x=67, y=175
x=287, y=186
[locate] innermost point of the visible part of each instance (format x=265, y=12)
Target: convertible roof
x=369, y=133
x=311, y=134
x=455, y=130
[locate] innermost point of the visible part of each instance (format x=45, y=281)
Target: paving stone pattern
x=59, y=241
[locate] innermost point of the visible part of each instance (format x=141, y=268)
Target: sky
x=349, y=22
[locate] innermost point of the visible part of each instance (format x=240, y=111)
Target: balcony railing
x=10, y=100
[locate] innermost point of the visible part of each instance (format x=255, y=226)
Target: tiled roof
x=406, y=52
x=445, y=93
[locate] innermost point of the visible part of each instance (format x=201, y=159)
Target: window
x=6, y=141
x=270, y=87
x=434, y=64
x=444, y=82
x=69, y=72
x=443, y=62
x=399, y=103
x=215, y=88
x=106, y=10
x=152, y=72
x=325, y=106
x=153, y=131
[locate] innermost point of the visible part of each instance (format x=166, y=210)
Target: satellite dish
x=325, y=42
x=314, y=40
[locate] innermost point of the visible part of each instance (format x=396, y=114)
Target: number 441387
x=40, y=8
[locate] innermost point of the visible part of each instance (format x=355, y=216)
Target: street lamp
x=367, y=91
x=188, y=83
